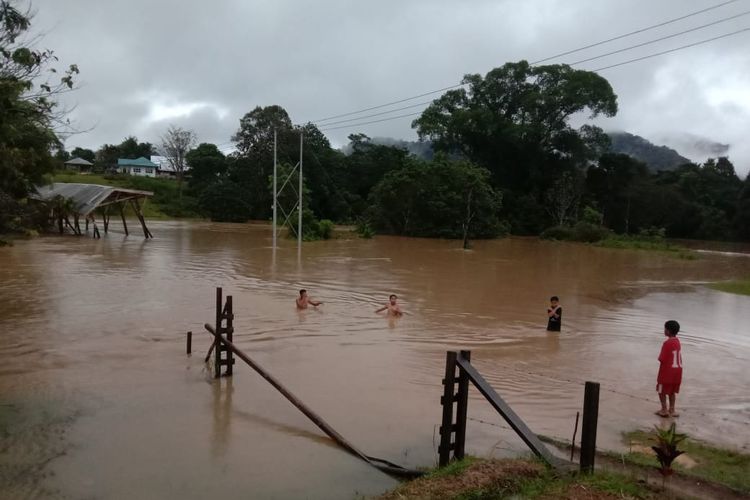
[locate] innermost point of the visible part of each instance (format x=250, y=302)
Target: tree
x=29, y=112
x=563, y=198
x=742, y=214
x=130, y=148
x=207, y=165
x=515, y=120
x=86, y=154
x=176, y=143
x=442, y=198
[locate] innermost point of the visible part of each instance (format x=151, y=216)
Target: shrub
x=583, y=231
x=364, y=229
x=325, y=229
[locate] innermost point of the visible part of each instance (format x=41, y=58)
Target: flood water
x=102, y=402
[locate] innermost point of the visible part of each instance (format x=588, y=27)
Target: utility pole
x=275, y=194
x=299, y=225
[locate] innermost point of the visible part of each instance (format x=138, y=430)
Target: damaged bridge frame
x=88, y=199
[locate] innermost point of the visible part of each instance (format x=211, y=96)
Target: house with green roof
x=139, y=166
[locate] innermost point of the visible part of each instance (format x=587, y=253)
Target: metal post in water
x=299, y=225
x=189, y=342
x=275, y=194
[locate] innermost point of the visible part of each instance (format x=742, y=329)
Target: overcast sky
x=204, y=64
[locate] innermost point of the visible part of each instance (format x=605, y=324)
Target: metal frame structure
x=277, y=191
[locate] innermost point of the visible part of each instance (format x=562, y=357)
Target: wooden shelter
x=86, y=200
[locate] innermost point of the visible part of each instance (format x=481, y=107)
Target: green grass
x=741, y=287
x=714, y=464
x=649, y=244
x=551, y=485
x=453, y=468
x=164, y=204
x=480, y=479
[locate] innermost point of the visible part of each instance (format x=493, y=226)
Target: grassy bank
x=701, y=460
x=164, y=204
x=477, y=479
x=741, y=287
x=650, y=244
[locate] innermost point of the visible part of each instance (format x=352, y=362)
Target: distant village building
x=165, y=168
x=79, y=165
x=139, y=166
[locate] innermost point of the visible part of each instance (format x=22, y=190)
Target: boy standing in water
x=554, y=313
x=392, y=307
x=303, y=300
x=670, y=370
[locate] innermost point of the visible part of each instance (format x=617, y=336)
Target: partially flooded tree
x=562, y=199
x=176, y=144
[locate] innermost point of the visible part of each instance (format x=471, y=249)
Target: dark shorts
x=667, y=389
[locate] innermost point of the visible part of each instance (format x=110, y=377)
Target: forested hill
x=656, y=157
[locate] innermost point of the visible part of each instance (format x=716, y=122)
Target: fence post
x=462, y=404
x=217, y=345
x=588, y=427
x=189, y=342
x=446, y=429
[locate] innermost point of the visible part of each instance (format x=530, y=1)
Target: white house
x=140, y=166
x=165, y=168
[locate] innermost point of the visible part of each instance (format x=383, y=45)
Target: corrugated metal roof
x=86, y=197
x=138, y=162
x=79, y=161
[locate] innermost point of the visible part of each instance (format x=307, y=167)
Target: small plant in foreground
x=666, y=448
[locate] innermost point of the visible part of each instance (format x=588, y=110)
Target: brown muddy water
x=98, y=399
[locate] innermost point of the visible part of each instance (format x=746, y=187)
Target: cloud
x=146, y=64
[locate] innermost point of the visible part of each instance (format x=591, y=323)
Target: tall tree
x=29, y=113
x=84, y=153
x=176, y=144
x=207, y=165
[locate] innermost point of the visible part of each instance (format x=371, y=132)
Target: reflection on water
x=96, y=328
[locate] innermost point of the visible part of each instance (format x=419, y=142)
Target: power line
x=661, y=39
x=664, y=23
x=378, y=114
x=625, y=35
x=682, y=47
x=373, y=121
x=389, y=103
x=673, y=50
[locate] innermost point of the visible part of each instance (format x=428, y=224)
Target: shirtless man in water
x=392, y=307
x=303, y=300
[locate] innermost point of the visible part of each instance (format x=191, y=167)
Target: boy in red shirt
x=670, y=370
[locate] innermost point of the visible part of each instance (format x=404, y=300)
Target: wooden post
x=122, y=215
x=189, y=342
x=217, y=327
x=105, y=216
x=229, y=316
x=588, y=427
x=139, y=214
x=462, y=404
x=87, y=224
x=446, y=429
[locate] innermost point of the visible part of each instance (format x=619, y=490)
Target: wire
x=619, y=37
x=661, y=39
x=373, y=121
x=664, y=23
x=389, y=103
x=378, y=114
x=682, y=47
x=673, y=50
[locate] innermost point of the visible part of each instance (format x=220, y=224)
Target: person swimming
x=304, y=300
x=392, y=307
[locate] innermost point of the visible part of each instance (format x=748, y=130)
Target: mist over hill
x=655, y=156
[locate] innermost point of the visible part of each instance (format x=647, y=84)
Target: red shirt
x=670, y=359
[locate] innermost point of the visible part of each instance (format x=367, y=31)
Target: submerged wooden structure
x=87, y=200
